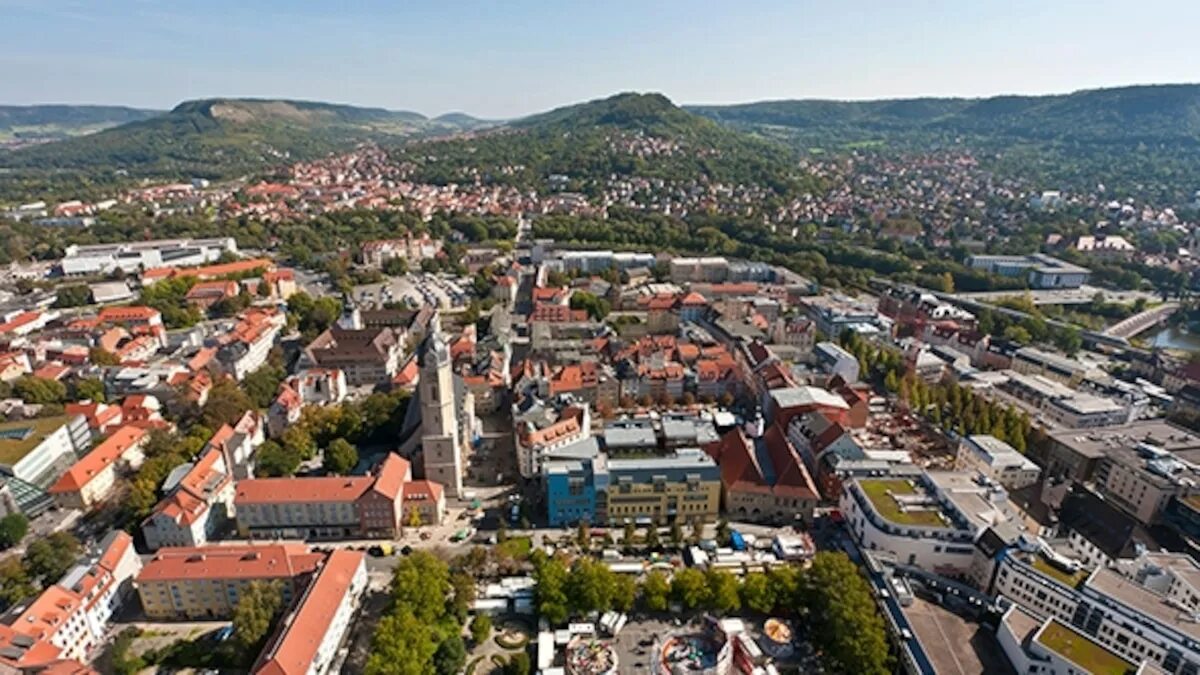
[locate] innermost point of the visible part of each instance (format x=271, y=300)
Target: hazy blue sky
x=501, y=58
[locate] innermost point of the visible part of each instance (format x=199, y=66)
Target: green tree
x=421, y=582
x=690, y=588
x=589, y=586
x=518, y=664
x=99, y=356
x=15, y=584
x=628, y=533
x=656, y=591
x=402, y=645
x=722, y=591
x=624, y=592
x=481, y=628
x=89, y=389
x=596, y=307
x=676, y=533
x=551, y=576
x=724, y=534
x=450, y=657
x=13, y=528
x=757, y=593
x=226, y=404
x=40, y=390
x=49, y=558
x=272, y=459
x=462, y=587
x=75, y=295
x=262, y=385
x=340, y=457
x=845, y=620
x=652, y=540
x=297, y=441
x=255, y=612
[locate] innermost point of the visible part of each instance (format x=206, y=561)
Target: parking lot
x=414, y=290
x=954, y=645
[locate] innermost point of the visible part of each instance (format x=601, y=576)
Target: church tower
x=441, y=447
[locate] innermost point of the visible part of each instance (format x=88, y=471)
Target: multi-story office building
x=1142, y=480
x=1034, y=361
x=337, y=507
x=711, y=269
x=1042, y=271
x=683, y=485
x=311, y=634
x=1141, y=611
x=39, y=450
x=1050, y=647
x=1076, y=454
x=206, y=581
x=929, y=519
x=132, y=257
x=836, y=361
x=997, y=460
x=367, y=356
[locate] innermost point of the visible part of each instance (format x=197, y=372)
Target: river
x=1176, y=338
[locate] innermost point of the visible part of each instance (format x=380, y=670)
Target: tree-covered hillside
x=221, y=137
x=580, y=147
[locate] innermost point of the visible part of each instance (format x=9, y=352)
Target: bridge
x=1143, y=321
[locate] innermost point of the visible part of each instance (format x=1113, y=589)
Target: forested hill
x=1125, y=115
x=220, y=137
x=584, y=146
x=40, y=123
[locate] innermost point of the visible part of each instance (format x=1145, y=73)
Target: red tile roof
x=294, y=650
x=103, y=456
x=265, y=561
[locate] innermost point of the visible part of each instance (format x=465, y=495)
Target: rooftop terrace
x=1082, y=651
x=883, y=492
x=17, y=439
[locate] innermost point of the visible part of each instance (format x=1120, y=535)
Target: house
x=205, y=294
x=102, y=418
x=90, y=480
x=197, y=505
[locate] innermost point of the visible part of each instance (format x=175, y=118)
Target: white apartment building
x=836, y=361
x=997, y=460
x=1050, y=647
x=39, y=450
x=132, y=257
x=199, y=502
x=1141, y=611
x=928, y=519
x=74, y=614
x=245, y=348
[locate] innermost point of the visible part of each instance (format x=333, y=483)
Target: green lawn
x=878, y=492
x=1042, y=565
x=1082, y=651
x=517, y=548
x=12, y=450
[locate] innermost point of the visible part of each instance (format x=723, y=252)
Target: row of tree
x=421, y=631
x=831, y=595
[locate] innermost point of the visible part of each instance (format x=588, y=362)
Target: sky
x=506, y=58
